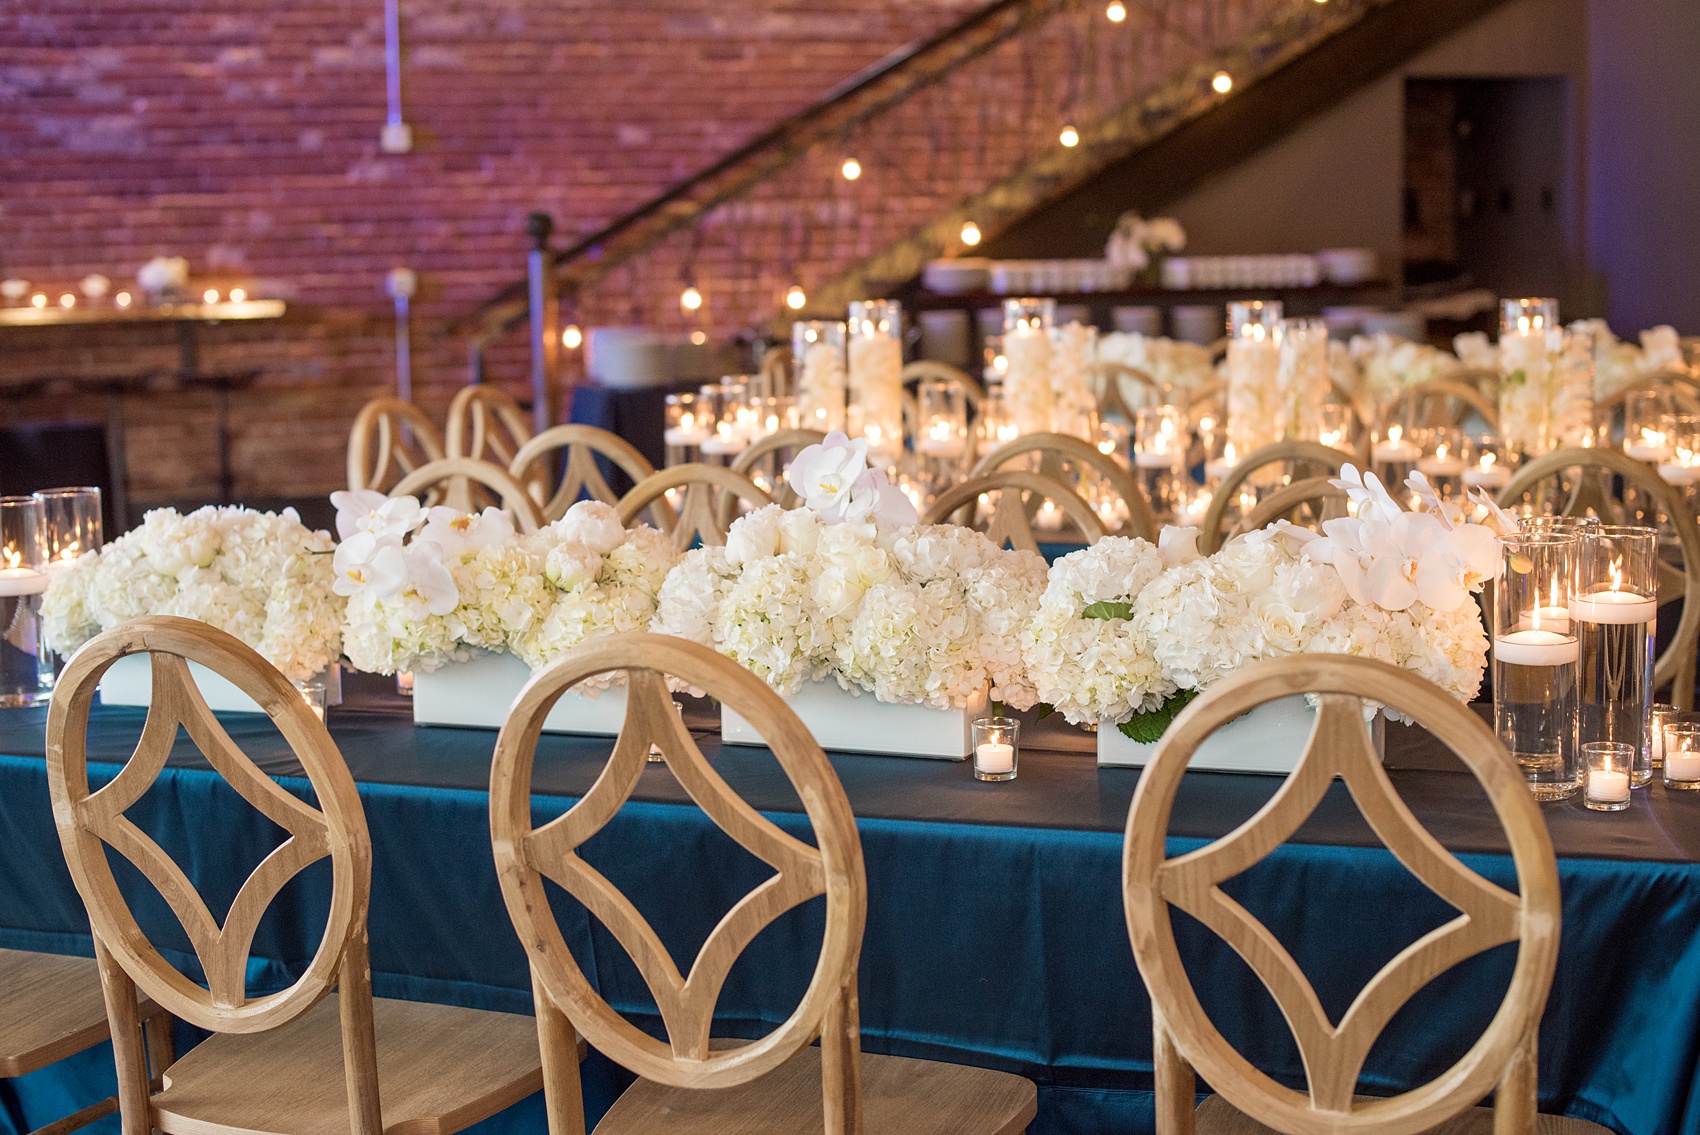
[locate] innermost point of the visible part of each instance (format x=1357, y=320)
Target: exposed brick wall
x=244, y=137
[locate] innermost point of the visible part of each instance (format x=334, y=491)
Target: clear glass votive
x=1662, y=716
x=1485, y=467
x=404, y=683
x=26, y=665
x=313, y=693
x=1535, y=660
x=1681, y=745
x=997, y=747
x=1614, y=612
x=71, y=523
x=1608, y=766
x=684, y=428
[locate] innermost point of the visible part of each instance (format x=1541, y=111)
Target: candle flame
x=71, y=551
x=1487, y=461
x=1440, y=451
x=13, y=559
x=1394, y=433
x=1617, y=575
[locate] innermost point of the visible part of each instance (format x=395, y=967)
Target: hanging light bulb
x=122, y=299
x=1117, y=11
x=970, y=233
x=851, y=169
x=1222, y=82
x=238, y=295
x=67, y=300
x=572, y=338
x=690, y=299
x=210, y=296
x=699, y=337
x=795, y=299
x=1069, y=137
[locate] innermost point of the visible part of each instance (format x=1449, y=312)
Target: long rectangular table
x=995, y=933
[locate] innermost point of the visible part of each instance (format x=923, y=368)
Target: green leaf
x=1148, y=728
x=1108, y=609
x=999, y=709
x=1045, y=709
x=1516, y=378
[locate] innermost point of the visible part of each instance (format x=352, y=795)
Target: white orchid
x=427, y=587
x=1370, y=499
x=364, y=510
x=369, y=562
x=836, y=484
x=456, y=533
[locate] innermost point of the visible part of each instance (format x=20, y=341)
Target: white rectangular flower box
x=843, y=722
x=1269, y=739
x=129, y=681
x=479, y=692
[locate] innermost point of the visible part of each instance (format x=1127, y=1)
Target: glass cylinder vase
x=26, y=665
x=818, y=347
x=1027, y=327
x=1535, y=660
x=1615, y=610
x=876, y=378
x=1254, y=405
x=1301, y=378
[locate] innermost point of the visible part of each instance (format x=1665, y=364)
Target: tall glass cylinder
x=1535, y=658
x=1254, y=405
x=1027, y=327
x=995, y=426
x=941, y=439
x=1647, y=416
x=1442, y=462
x=684, y=428
x=1160, y=442
x=26, y=665
x=1615, y=610
x=1484, y=464
x=1074, y=408
x=876, y=378
x=1301, y=378
x=1546, y=397
x=731, y=405
x=71, y=524
x=817, y=346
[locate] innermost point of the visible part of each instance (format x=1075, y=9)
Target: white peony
x=592, y=523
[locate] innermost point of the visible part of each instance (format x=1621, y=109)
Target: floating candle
x=1613, y=607
x=17, y=581
x=1535, y=648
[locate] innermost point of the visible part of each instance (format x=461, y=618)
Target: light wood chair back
x=1111, y=382
x=90, y=822
x=1186, y=1041
x=1684, y=393
x=1281, y=453
x=1209, y=398
x=389, y=440
x=1429, y=404
x=581, y=475
x=780, y=446
x=1010, y=523
x=973, y=393
x=527, y=855
x=485, y=423
x=776, y=368
x=1056, y=452
x=1483, y=379
x=1313, y=499
x=1588, y=471
x=698, y=513
x=469, y=471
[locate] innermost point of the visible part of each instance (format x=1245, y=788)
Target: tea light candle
x=723, y=443
x=17, y=581
x=995, y=756
x=1535, y=648
x=1608, y=786
x=1158, y=460
x=1613, y=607
x=1680, y=473
x=1441, y=463
x=1650, y=446
x=1396, y=448
x=685, y=434
x=1547, y=618
x=1221, y=467
x=1682, y=766
x=1487, y=473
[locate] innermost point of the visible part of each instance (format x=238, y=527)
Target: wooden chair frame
x=584, y=444
x=1009, y=520
x=1676, y=666
x=1329, y=501
x=405, y=438
x=89, y=822
x=1421, y=395
x=1106, y=377
x=479, y=416
x=527, y=855
x=1054, y=449
x=1683, y=390
x=1503, y=1058
x=746, y=462
x=1210, y=535
x=973, y=393
x=465, y=470
x=698, y=515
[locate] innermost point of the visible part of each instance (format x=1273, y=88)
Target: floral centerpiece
x=261, y=576
x=849, y=590
x=1138, y=244
x=1127, y=633
x=1390, y=365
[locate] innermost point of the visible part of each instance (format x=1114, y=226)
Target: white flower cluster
x=1136, y=239
x=1390, y=364
x=1124, y=625
x=423, y=585
x=1174, y=363
x=905, y=612
x=1073, y=405
x=263, y=577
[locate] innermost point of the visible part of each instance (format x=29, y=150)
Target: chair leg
x=841, y=1062
x=563, y=1092
x=162, y=1050
x=129, y=1052
x=1177, y=1087
x=1514, y=1104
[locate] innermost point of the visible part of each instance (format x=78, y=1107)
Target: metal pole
x=401, y=284
x=545, y=321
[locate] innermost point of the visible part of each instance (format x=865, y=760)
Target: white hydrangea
x=263, y=577
x=770, y=623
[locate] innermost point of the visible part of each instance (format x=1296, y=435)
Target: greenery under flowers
x=1148, y=727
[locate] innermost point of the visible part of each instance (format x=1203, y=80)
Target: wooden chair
x=1057, y=452
x=1247, y=1100
x=780, y=446
x=1684, y=393
x=1485, y=380
x=1110, y=382
x=1587, y=471
x=972, y=392
x=1210, y=398
x=698, y=515
x=776, y=366
x=692, y=1084
x=466, y=472
x=1429, y=403
x=301, y=1060
x=1308, y=503
x=389, y=436
x=51, y=1007
x=485, y=423
x=582, y=475
x=1010, y=523
x=1283, y=453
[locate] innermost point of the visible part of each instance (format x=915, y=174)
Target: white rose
x=591, y=523
x=837, y=591
x=799, y=532
x=569, y=565
x=754, y=537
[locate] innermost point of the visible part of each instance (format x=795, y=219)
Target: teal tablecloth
x=995, y=932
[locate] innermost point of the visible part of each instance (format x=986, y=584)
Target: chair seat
x=440, y=1068
x=1216, y=1116
x=899, y=1096
x=50, y=1007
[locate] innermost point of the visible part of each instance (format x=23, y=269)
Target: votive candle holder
x=997, y=748
x=1607, y=766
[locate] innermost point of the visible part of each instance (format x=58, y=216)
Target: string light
x=1222, y=82
x=970, y=234
x=699, y=337
x=122, y=299
x=238, y=295
x=690, y=299
x=795, y=299
x=210, y=295
x=572, y=338
x=851, y=169
x=1117, y=11
x=39, y=299
x=67, y=300
x=1070, y=137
